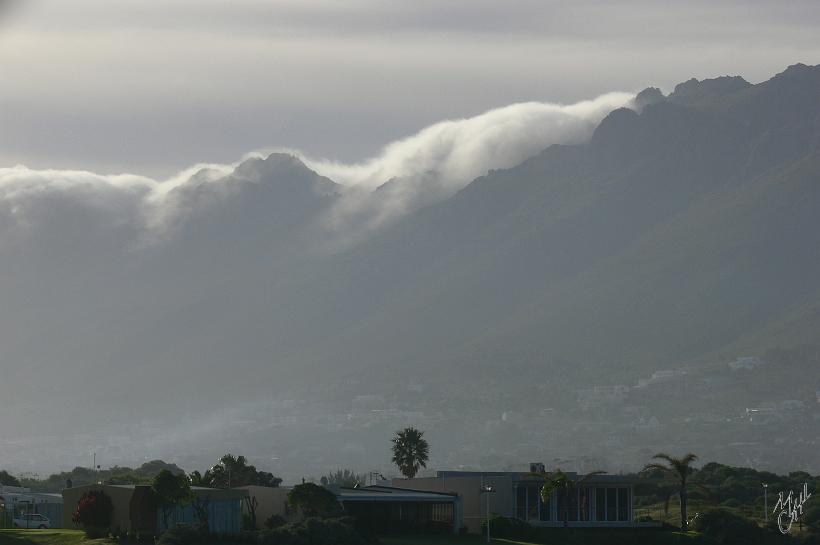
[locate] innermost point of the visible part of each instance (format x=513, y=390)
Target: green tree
x=196, y=479
x=341, y=477
x=251, y=503
x=313, y=500
x=151, y=469
x=8, y=480
x=410, y=451
x=232, y=471
x=679, y=469
x=171, y=491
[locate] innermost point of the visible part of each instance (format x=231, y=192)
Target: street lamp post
x=765, y=503
x=487, y=489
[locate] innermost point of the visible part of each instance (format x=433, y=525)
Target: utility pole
x=765, y=503
x=487, y=490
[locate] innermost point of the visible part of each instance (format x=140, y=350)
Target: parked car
x=31, y=520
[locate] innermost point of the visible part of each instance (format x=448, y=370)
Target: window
x=442, y=512
x=532, y=503
x=567, y=504
x=600, y=503
x=623, y=504
x=611, y=504
x=521, y=502
x=545, y=508
x=584, y=500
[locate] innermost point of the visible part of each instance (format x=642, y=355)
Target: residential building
x=591, y=501
x=16, y=500
x=135, y=511
x=395, y=509
x=269, y=502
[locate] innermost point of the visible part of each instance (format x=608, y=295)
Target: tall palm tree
x=680, y=469
x=410, y=451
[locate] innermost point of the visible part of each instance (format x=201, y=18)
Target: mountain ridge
x=684, y=232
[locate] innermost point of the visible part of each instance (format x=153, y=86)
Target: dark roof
x=390, y=494
x=526, y=476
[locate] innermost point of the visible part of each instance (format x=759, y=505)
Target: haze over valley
x=582, y=284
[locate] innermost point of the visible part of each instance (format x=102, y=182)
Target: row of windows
x=611, y=504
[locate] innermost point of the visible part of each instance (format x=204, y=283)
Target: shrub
x=313, y=531
x=274, y=521
x=93, y=513
x=725, y=526
x=185, y=534
x=182, y=535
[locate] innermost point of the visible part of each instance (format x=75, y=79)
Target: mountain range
x=684, y=232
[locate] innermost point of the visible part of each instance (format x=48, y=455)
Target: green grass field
x=577, y=536
x=48, y=537
x=562, y=536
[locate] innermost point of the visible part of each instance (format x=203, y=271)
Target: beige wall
x=272, y=501
x=120, y=497
x=473, y=502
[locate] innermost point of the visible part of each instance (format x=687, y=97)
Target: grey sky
x=151, y=87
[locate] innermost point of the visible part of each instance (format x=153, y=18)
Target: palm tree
x=410, y=451
x=558, y=480
x=680, y=469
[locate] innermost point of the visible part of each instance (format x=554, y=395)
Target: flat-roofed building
x=601, y=500
x=269, y=501
x=393, y=509
x=135, y=510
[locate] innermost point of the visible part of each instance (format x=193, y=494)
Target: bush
x=93, y=513
x=275, y=521
x=507, y=528
x=185, y=534
x=313, y=531
x=182, y=535
x=725, y=526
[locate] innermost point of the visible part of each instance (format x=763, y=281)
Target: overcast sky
x=151, y=87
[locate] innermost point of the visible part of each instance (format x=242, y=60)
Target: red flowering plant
x=93, y=512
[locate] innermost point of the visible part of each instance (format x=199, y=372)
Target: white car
x=31, y=520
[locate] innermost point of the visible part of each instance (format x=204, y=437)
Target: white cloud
x=423, y=168
x=442, y=158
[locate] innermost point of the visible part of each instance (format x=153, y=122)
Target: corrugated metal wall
x=224, y=516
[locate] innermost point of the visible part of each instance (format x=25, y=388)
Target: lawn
x=577, y=536
x=48, y=537
x=561, y=536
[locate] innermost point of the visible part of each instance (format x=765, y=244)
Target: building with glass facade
x=595, y=500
